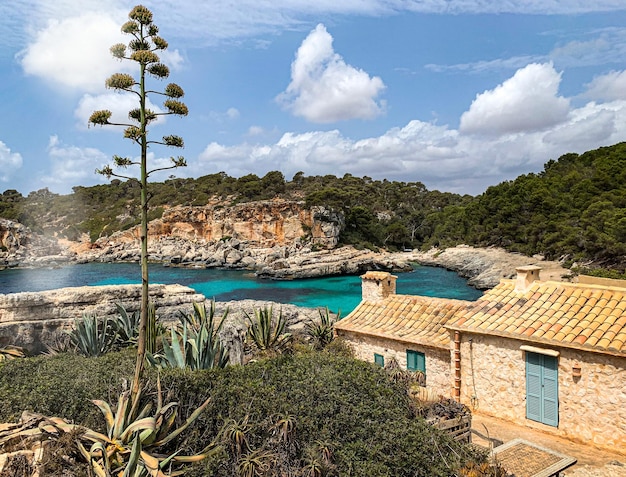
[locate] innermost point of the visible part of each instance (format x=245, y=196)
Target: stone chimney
x=525, y=277
x=376, y=286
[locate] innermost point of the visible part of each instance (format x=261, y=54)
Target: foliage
x=266, y=333
x=303, y=413
x=93, y=337
x=321, y=332
x=62, y=385
x=196, y=344
x=134, y=436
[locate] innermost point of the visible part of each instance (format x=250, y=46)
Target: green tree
x=142, y=50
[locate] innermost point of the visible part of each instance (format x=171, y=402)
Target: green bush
x=338, y=408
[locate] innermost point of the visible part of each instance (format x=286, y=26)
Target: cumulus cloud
x=74, y=52
x=442, y=157
x=325, y=89
x=10, y=162
x=610, y=86
x=526, y=102
x=71, y=165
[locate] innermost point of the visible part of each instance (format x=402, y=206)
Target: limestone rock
x=485, y=267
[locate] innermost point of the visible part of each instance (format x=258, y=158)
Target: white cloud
x=526, y=102
x=74, y=52
x=10, y=162
x=609, y=86
x=71, y=165
x=442, y=157
x=255, y=130
x=118, y=103
x=325, y=89
x=232, y=113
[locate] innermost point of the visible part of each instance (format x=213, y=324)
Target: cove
x=337, y=292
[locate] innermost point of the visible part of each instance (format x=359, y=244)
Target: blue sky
x=459, y=95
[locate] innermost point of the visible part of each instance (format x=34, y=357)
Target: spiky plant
x=322, y=332
x=196, y=344
x=11, y=352
x=267, y=333
x=91, y=337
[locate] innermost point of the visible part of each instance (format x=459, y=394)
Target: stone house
x=547, y=355
x=407, y=328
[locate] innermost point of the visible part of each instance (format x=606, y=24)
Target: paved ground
x=592, y=462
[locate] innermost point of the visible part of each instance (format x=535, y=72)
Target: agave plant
x=322, y=332
x=196, y=344
x=126, y=325
x=11, y=352
x=266, y=333
x=134, y=435
x=91, y=337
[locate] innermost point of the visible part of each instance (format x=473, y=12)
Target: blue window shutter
x=533, y=386
x=550, y=391
x=542, y=389
x=379, y=359
x=415, y=361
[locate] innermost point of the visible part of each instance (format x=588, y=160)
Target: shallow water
x=338, y=293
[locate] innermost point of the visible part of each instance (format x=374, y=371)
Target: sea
x=338, y=293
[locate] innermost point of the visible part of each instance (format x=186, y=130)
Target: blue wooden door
x=542, y=388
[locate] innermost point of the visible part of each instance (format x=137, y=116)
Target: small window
x=415, y=361
x=379, y=359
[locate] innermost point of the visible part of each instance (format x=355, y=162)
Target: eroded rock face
x=31, y=319
x=19, y=246
x=261, y=224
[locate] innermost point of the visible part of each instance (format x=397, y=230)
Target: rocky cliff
x=33, y=319
x=260, y=224
x=19, y=245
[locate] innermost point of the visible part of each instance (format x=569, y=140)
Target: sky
x=456, y=94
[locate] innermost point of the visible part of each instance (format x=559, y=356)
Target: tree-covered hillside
x=574, y=209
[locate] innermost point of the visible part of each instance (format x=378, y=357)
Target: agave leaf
x=152, y=465
x=120, y=416
x=147, y=423
x=133, y=459
x=194, y=415
x=106, y=411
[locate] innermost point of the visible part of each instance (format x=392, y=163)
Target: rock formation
x=20, y=246
x=33, y=319
x=485, y=267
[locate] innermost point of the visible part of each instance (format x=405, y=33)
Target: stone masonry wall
x=592, y=407
x=438, y=377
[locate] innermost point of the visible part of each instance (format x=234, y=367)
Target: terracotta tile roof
x=588, y=317
x=412, y=319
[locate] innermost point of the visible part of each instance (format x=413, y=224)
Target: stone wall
x=438, y=376
x=592, y=407
x=31, y=319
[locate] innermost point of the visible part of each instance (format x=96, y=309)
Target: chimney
x=525, y=277
x=376, y=286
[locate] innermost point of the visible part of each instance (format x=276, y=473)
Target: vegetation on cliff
x=574, y=209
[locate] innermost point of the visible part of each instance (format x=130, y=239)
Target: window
x=379, y=359
x=415, y=361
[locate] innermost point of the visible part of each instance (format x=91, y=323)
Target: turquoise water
x=338, y=293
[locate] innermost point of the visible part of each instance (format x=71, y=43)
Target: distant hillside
x=575, y=209
x=377, y=213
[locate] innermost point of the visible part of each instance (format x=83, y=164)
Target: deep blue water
x=338, y=293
